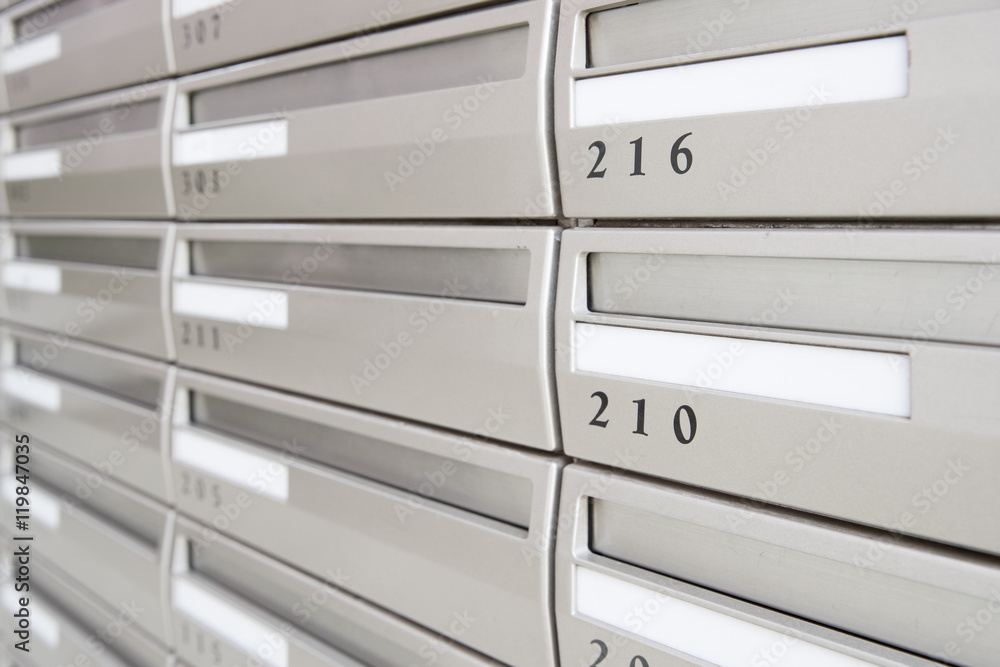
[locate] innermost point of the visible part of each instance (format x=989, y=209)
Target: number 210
x=640, y=418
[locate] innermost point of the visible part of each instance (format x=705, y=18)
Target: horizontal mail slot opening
x=490, y=493
x=89, y=127
x=494, y=56
x=277, y=589
x=694, y=629
x=96, y=372
x=885, y=586
x=867, y=70
x=480, y=274
x=869, y=297
x=836, y=377
x=662, y=29
x=50, y=16
x=112, y=251
x=135, y=519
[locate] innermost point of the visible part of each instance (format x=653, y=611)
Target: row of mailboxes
x=122, y=580
x=306, y=538
x=426, y=125
x=361, y=315
x=798, y=367
x=658, y=110
x=54, y=50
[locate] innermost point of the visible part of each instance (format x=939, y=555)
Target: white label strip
x=836, y=377
x=29, y=277
x=254, y=638
x=244, y=305
x=32, y=389
x=45, y=508
x=221, y=460
x=182, y=8
x=33, y=165
x=873, y=69
x=240, y=143
x=32, y=52
x=700, y=632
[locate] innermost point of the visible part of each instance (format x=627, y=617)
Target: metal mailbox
x=444, y=119
x=112, y=541
x=101, y=157
x=69, y=626
x=243, y=604
x=679, y=576
x=106, y=283
x=858, y=110
x=850, y=373
x=106, y=409
x=447, y=531
x=55, y=50
x=374, y=315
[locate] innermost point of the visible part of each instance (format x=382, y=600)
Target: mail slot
x=444, y=119
x=210, y=33
x=849, y=373
x=447, y=531
x=106, y=409
x=112, y=541
x=858, y=110
x=99, y=157
x=59, y=49
x=683, y=576
x=107, y=283
x=375, y=316
x=242, y=604
x=69, y=626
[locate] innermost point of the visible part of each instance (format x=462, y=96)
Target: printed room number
x=685, y=421
x=681, y=157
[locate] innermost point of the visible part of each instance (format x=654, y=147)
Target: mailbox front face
x=436, y=527
x=210, y=33
x=69, y=625
x=220, y=586
x=679, y=576
x=374, y=316
x=55, y=50
x=106, y=409
x=106, y=283
x=99, y=157
x=849, y=373
x=722, y=109
x=110, y=539
x=444, y=119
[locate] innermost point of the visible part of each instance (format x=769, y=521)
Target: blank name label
x=232, y=464
x=224, y=303
x=831, y=376
x=228, y=621
x=873, y=69
x=700, y=632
